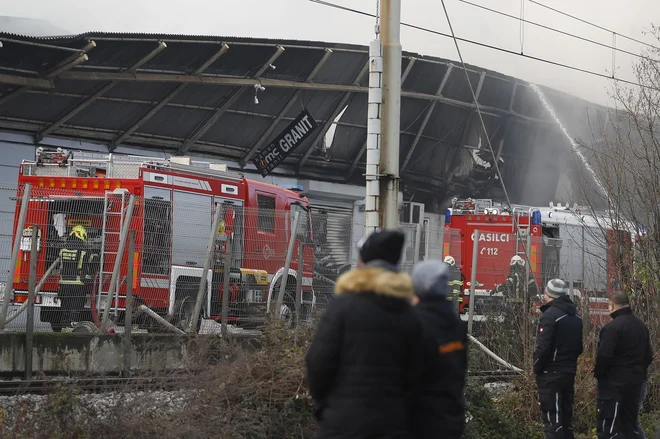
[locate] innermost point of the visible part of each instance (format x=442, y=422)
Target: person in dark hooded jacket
x=622, y=359
x=558, y=346
x=438, y=408
x=366, y=353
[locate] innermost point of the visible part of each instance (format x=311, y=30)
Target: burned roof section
x=196, y=95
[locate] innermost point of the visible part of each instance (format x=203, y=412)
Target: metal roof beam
x=220, y=111
x=42, y=45
x=466, y=132
x=129, y=132
x=73, y=58
x=500, y=145
x=363, y=148
x=79, y=56
x=454, y=153
x=66, y=66
x=87, y=102
x=25, y=81
x=345, y=101
x=427, y=116
x=513, y=96
x=274, y=83
x=264, y=137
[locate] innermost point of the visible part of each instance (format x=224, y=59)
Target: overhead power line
x=593, y=24
x=476, y=103
x=490, y=46
x=559, y=31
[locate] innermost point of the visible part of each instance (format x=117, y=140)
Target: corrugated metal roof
x=128, y=89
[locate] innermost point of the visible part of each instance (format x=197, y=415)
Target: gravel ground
x=102, y=405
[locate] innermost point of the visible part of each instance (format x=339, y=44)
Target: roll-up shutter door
x=333, y=258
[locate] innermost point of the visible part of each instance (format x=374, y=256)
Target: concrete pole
x=123, y=237
x=390, y=37
x=287, y=264
x=473, y=279
x=226, y=277
x=299, y=278
x=128, y=313
x=375, y=99
x=32, y=282
x=205, y=271
x=18, y=236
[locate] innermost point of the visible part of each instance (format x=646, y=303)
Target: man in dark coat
x=438, y=408
x=622, y=360
x=365, y=355
x=558, y=346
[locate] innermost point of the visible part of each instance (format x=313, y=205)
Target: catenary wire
x=478, y=110
x=492, y=47
x=559, y=31
x=593, y=24
x=488, y=142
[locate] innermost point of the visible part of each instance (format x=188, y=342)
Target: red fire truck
x=562, y=241
x=172, y=217
x=503, y=234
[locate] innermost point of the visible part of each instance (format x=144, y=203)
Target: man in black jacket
x=623, y=357
x=558, y=346
x=366, y=354
x=438, y=409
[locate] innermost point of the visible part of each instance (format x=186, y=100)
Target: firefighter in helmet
x=516, y=287
x=455, y=283
x=78, y=267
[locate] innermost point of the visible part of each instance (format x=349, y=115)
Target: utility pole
x=375, y=99
x=390, y=37
x=383, y=120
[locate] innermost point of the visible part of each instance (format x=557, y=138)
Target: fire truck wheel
x=288, y=311
x=183, y=313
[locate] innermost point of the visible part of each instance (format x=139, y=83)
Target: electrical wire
x=490, y=46
x=476, y=104
x=490, y=146
x=559, y=31
x=593, y=24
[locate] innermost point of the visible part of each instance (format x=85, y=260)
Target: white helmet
x=449, y=260
x=517, y=260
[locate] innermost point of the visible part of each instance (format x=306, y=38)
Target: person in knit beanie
x=366, y=353
x=438, y=404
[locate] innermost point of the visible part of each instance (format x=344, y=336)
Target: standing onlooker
x=623, y=356
x=558, y=346
x=438, y=409
x=642, y=395
x=367, y=350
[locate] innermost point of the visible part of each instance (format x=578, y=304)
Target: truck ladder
x=108, y=231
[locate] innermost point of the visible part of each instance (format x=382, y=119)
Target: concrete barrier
x=88, y=354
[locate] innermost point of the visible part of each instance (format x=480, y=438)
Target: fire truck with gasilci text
x=557, y=241
x=175, y=203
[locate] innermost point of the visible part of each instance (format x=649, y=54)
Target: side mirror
x=319, y=226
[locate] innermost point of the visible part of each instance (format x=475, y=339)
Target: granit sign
x=288, y=140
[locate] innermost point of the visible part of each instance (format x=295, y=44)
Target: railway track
x=134, y=384
x=91, y=385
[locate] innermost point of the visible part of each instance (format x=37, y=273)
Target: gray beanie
x=430, y=279
x=556, y=288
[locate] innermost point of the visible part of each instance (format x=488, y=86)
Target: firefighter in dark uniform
x=456, y=280
x=78, y=267
x=516, y=288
